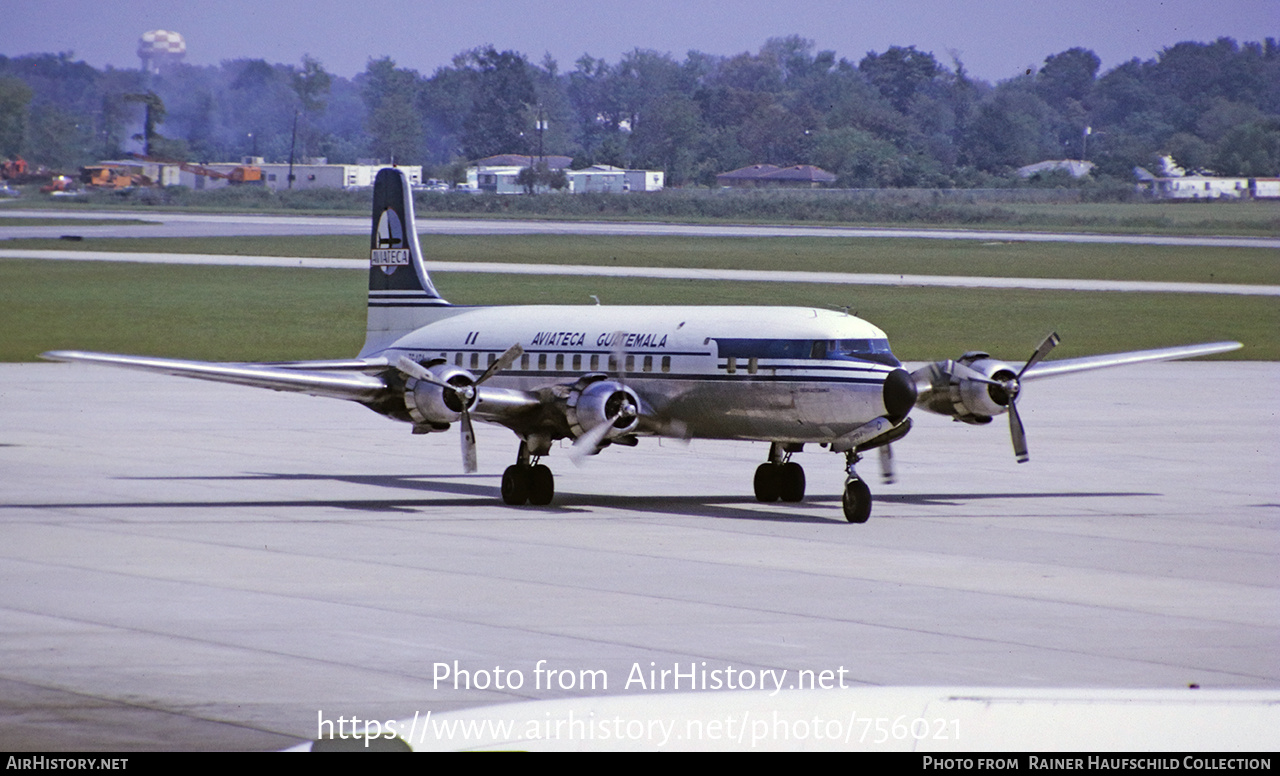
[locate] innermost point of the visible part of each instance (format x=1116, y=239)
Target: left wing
x=1069, y=365
x=331, y=379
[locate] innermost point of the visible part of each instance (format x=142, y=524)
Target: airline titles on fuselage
x=570, y=339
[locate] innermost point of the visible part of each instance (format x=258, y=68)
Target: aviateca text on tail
x=601, y=375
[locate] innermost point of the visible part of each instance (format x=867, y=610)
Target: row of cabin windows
x=526, y=362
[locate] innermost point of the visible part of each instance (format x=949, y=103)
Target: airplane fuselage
x=773, y=373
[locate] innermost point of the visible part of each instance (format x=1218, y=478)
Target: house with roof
x=805, y=176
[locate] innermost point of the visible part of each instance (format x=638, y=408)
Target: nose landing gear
x=856, y=499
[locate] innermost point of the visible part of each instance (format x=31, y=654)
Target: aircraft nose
x=899, y=394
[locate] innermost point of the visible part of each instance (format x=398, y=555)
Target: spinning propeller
x=464, y=395
x=618, y=407
x=978, y=387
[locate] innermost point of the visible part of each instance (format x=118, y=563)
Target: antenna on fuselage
x=593, y=296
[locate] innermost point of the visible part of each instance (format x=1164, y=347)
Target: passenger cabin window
x=559, y=362
x=524, y=361
x=666, y=363
x=457, y=358
x=492, y=357
x=577, y=361
x=753, y=364
x=731, y=365
x=595, y=363
x=475, y=360
x=631, y=363
x=542, y=361
x=648, y=363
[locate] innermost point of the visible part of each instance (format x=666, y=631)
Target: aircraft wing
x=1069, y=365
x=336, y=380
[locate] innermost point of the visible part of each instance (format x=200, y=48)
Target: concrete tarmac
x=187, y=565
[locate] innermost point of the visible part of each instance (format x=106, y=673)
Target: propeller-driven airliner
x=601, y=375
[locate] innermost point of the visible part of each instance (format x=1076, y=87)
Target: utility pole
x=292, y=144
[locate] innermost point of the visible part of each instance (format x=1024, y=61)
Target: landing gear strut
x=527, y=481
x=780, y=478
x=857, y=496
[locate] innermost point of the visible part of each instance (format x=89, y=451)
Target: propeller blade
x=588, y=443
x=886, y=465
x=505, y=360
x=620, y=355
x=1050, y=342
x=1018, y=434
x=419, y=372
x=468, y=438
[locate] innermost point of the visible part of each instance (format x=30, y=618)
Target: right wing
x=336, y=380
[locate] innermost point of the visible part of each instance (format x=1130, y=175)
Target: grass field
x=815, y=254
x=237, y=313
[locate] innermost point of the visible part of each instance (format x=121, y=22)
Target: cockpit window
x=876, y=350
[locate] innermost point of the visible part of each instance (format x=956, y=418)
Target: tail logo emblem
x=390, y=252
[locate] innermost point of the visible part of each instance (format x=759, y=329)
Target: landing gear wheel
x=768, y=483
x=856, y=501
x=515, y=485
x=542, y=485
x=791, y=482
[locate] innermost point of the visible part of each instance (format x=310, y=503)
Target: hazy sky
x=995, y=39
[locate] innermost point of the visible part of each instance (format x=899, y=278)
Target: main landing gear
x=780, y=478
x=528, y=481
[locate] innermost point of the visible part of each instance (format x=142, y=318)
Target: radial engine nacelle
x=603, y=402
x=973, y=389
x=431, y=404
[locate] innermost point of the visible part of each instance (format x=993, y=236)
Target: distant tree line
x=897, y=118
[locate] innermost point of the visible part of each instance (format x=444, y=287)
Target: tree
x=899, y=72
x=1252, y=149
x=1068, y=76
x=15, y=109
x=498, y=119
x=390, y=95
x=311, y=84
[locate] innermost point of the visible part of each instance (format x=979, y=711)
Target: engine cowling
x=433, y=405
x=973, y=389
x=603, y=401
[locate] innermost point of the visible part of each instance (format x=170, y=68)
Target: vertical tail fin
x=401, y=296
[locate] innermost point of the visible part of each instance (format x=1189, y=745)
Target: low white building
x=1266, y=188
x=614, y=180
x=275, y=175
x=498, y=175
x=1198, y=187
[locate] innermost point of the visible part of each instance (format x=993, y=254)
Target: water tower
x=160, y=48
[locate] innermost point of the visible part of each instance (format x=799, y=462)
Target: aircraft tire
x=515, y=485
x=542, y=485
x=791, y=482
x=768, y=483
x=856, y=501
